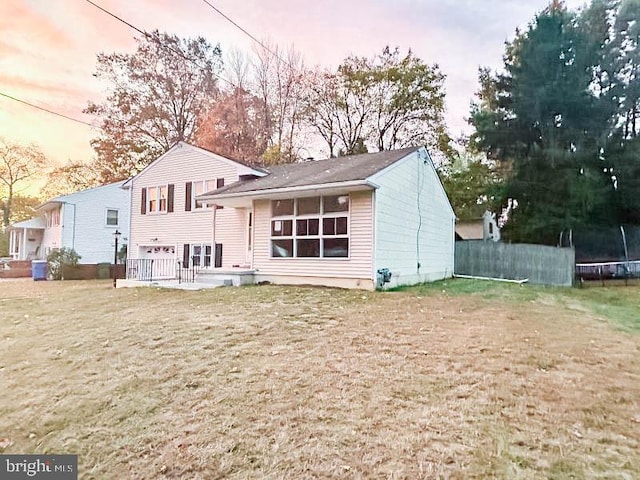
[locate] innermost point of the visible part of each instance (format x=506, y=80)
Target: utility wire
x=157, y=39
x=47, y=110
x=247, y=33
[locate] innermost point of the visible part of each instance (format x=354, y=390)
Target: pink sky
x=48, y=48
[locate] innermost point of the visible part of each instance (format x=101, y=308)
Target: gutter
x=302, y=188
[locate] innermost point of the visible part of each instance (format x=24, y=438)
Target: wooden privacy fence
x=539, y=264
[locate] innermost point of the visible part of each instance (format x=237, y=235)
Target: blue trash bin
x=39, y=269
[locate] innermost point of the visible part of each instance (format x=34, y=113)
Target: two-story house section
x=84, y=221
x=172, y=228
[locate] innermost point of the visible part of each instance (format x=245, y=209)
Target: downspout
x=453, y=247
x=374, y=225
x=212, y=262
x=129, y=242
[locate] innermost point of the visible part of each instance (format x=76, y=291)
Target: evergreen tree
x=547, y=122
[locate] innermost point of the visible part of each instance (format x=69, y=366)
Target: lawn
x=457, y=380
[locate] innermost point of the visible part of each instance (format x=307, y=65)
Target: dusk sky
x=48, y=47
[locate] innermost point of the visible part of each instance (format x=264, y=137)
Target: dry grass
x=280, y=383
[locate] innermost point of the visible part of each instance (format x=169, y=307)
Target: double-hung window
x=201, y=255
x=198, y=188
x=310, y=227
x=194, y=189
x=157, y=199
x=53, y=217
x=111, y=219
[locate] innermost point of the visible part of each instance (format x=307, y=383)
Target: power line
x=247, y=33
x=157, y=39
x=118, y=18
x=47, y=110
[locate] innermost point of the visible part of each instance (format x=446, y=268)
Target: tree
x=625, y=45
x=278, y=84
x=156, y=96
x=473, y=185
x=234, y=126
x=547, y=121
x=23, y=208
x=321, y=106
x=69, y=178
x=18, y=163
x=388, y=101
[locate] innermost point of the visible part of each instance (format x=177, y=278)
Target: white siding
x=181, y=165
x=52, y=236
x=284, y=270
x=84, y=225
x=414, y=222
x=231, y=233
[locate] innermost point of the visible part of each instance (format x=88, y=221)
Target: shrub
x=60, y=258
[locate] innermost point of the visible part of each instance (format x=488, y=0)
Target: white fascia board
x=353, y=185
x=48, y=205
x=423, y=154
x=395, y=164
x=242, y=169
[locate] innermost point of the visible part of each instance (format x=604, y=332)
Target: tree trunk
x=6, y=209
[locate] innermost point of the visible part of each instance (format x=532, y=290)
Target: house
x=171, y=229
x=358, y=221
x=84, y=221
x=483, y=228
x=25, y=239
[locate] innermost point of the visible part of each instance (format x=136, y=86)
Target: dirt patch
x=276, y=382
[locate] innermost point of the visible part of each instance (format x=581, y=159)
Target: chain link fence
x=605, y=252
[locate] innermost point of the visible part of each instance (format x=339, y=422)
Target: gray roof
x=35, y=223
x=318, y=172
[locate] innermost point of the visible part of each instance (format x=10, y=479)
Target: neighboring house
x=25, y=239
x=357, y=221
x=84, y=221
x=484, y=228
x=170, y=227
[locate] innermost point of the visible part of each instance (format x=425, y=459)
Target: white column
x=23, y=247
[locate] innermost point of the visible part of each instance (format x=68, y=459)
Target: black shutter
x=219, y=184
x=187, y=197
x=143, y=204
x=218, y=259
x=185, y=255
x=170, y=190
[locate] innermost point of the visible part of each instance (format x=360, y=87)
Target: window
x=200, y=255
x=198, y=188
x=112, y=217
x=194, y=189
x=153, y=199
x=162, y=198
x=53, y=218
x=310, y=227
x=14, y=243
x=157, y=199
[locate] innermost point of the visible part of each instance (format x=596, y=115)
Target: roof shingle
x=331, y=170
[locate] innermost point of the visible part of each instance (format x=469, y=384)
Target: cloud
x=12, y=82
x=22, y=24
